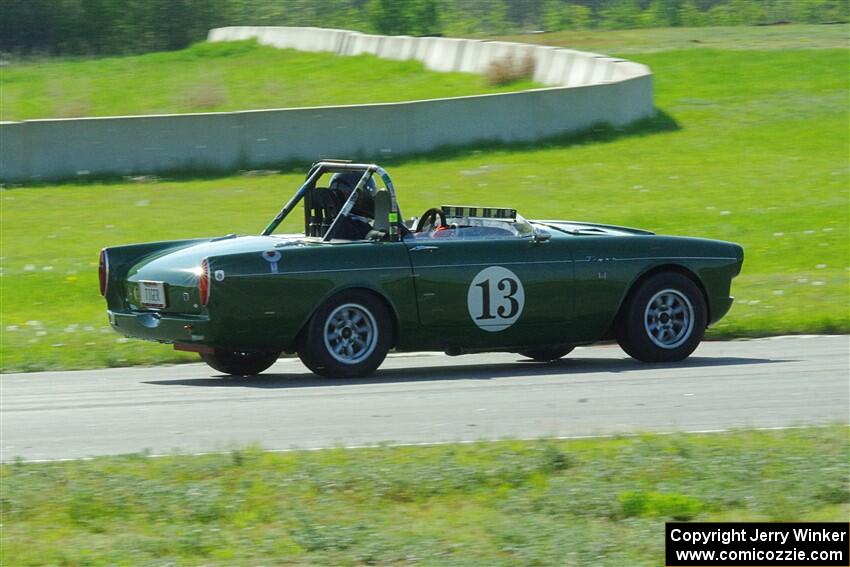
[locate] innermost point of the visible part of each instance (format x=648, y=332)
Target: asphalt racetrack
x=778, y=382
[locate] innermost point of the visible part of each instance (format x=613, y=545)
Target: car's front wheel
x=239, y=363
x=664, y=320
x=347, y=337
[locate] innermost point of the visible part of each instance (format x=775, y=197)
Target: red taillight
x=103, y=271
x=204, y=282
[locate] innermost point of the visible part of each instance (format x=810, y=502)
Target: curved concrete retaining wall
x=582, y=89
x=553, y=66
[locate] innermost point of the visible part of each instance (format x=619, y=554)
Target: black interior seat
x=324, y=205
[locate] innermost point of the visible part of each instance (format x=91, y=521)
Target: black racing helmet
x=344, y=183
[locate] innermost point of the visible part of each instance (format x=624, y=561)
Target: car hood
x=591, y=229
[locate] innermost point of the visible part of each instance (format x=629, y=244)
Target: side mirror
x=541, y=236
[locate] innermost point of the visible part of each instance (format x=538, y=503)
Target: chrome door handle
x=424, y=248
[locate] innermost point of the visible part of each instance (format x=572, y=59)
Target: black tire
x=547, y=354
x=664, y=319
x=239, y=363
x=347, y=337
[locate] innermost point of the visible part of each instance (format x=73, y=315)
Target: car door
x=479, y=292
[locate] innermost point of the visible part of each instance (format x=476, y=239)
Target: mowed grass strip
x=759, y=157
x=579, y=502
x=213, y=77
x=736, y=38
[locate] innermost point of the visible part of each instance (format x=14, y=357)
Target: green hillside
x=213, y=77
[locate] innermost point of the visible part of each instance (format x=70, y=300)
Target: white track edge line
x=380, y=445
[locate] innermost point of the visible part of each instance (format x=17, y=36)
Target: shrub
x=508, y=69
x=657, y=505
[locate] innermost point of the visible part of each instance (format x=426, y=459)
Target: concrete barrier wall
x=553, y=66
x=585, y=89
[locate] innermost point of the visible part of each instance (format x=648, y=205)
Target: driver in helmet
x=358, y=222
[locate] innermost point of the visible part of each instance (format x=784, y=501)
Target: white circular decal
x=271, y=255
x=495, y=298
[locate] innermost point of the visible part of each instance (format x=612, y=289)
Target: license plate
x=152, y=294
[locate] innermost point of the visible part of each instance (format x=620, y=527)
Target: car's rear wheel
x=548, y=354
x=664, y=320
x=348, y=336
x=239, y=363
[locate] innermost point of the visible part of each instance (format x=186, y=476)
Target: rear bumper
x=163, y=328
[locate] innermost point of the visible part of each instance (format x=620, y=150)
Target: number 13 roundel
x=495, y=298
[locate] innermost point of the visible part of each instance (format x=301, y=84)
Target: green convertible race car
x=359, y=281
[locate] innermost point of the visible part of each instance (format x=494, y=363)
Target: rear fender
x=121, y=258
x=368, y=288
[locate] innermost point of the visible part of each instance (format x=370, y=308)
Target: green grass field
x=753, y=149
x=211, y=77
x=735, y=38
x=581, y=502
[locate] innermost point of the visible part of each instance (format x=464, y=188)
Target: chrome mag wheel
x=350, y=333
x=669, y=318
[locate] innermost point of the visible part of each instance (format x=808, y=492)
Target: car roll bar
x=338, y=166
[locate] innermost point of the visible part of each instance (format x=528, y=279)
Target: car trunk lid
x=168, y=281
